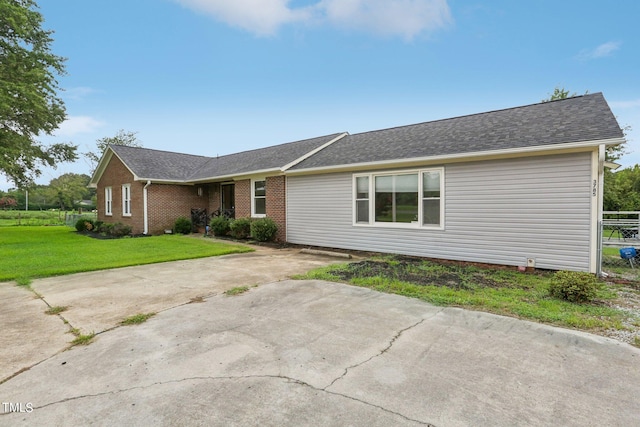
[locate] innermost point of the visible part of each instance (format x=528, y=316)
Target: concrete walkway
x=320, y=353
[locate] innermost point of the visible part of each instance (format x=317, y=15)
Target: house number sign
x=595, y=185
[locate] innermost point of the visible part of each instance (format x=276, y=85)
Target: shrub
x=574, y=286
x=219, y=226
x=119, y=230
x=264, y=229
x=105, y=228
x=182, y=225
x=240, y=228
x=84, y=224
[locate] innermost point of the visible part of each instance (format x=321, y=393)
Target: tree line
x=69, y=191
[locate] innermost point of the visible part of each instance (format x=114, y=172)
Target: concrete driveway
x=318, y=353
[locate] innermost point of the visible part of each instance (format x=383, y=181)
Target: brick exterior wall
x=243, y=198
x=115, y=175
x=276, y=204
x=166, y=203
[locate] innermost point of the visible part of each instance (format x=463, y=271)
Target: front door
x=228, y=200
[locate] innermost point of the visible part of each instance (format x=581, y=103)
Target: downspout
x=145, y=202
x=597, y=197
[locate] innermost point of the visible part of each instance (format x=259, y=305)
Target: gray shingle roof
x=576, y=119
x=160, y=165
x=168, y=166
x=273, y=157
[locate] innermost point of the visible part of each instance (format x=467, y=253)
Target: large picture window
x=108, y=201
x=126, y=200
x=411, y=198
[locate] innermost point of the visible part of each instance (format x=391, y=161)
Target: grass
x=34, y=252
x=56, y=309
x=137, y=319
x=11, y=218
x=22, y=280
x=83, y=339
x=499, y=291
x=237, y=290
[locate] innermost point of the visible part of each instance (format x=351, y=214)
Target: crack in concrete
x=207, y=378
x=380, y=353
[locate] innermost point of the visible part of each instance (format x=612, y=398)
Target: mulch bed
x=100, y=236
x=406, y=270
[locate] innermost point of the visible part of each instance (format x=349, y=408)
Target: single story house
x=520, y=186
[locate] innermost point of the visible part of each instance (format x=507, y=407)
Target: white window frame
x=372, y=200
x=108, y=201
x=126, y=199
x=253, y=198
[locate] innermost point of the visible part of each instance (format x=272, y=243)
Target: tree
x=123, y=137
x=29, y=104
x=7, y=202
x=69, y=188
x=559, y=93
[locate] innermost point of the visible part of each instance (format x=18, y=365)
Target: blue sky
x=213, y=77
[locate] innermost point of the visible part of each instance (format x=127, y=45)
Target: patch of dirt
x=407, y=270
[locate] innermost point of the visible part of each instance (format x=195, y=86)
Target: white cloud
x=78, y=124
x=605, y=49
x=405, y=18
x=635, y=103
x=77, y=93
x=262, y=17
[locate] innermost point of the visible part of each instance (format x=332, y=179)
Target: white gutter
x=145, y=201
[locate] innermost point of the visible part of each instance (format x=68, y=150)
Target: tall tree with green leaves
x=29, y=101
x=70, y=188
x=123, y=137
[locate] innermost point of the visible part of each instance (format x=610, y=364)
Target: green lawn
x=32, y=252
x=12, y=218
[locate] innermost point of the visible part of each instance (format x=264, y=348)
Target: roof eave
x=461, y=157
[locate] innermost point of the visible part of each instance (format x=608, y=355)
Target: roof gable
x=582, y=118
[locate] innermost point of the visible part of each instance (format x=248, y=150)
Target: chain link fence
x=620, y=245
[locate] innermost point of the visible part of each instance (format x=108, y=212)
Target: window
x=362, y=200
x=259, y=198
x=409, y=199
x=108, y=201
x=126, y=200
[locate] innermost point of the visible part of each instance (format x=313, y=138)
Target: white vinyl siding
x=126, y=200
x=108, y=201
x=497, y=211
